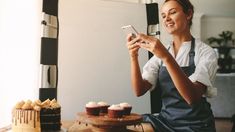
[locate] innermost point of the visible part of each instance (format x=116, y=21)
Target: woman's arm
x=139, y=85
x=191, y=92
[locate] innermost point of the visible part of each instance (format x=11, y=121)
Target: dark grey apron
x=176, y=114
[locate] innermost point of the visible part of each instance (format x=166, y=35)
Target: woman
x=184, y=72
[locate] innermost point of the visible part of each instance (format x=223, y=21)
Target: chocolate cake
x=50, y=115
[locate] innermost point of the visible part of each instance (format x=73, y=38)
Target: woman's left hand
x=153, y=45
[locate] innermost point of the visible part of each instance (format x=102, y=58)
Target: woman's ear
x=189, y=15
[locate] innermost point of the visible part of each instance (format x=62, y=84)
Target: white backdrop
x=93, y=60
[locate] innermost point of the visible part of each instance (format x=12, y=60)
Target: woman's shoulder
x=204, y=51
x=203, y=48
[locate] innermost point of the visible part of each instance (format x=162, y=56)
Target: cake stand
x=103, y=123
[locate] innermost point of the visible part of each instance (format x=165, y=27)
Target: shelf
x=225, y=74
x=224, y=47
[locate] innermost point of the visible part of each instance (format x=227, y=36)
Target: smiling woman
x=19, y=53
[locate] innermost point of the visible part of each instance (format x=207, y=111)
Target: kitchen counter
x=223, y=104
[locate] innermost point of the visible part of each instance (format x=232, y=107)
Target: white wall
x=218, y=16
x=214, y=25
x=215, y=7
x=93, y=60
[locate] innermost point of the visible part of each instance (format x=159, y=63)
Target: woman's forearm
x=139, y=85
x=190, y=91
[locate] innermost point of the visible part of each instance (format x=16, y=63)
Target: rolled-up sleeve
x=205, y=71
x=150, y=71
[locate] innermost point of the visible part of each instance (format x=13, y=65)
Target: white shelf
x=225, y=74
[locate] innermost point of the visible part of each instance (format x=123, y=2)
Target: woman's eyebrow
x=168, y=10
x=171, y=9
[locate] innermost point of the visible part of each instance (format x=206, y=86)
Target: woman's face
x=174, y=19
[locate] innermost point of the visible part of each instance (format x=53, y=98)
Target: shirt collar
x=185, y=45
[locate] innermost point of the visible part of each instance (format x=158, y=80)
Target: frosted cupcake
x=92, y=108
x=115, y=111
x=103, y=107
x=127, y=108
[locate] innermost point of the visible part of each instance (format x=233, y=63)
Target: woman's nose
x=167, y=18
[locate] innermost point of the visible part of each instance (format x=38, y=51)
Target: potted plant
x=223, y=43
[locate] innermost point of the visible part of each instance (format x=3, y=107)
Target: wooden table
x=103, y=123
x=86, y=123
x=73, y=126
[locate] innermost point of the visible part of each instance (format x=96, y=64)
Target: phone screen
x=129, y=29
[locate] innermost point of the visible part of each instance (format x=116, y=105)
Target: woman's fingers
x=129, y=37
x=150, y=43
x=133, y=46
x=140, y=38
x=145, y=38
x=144, y=46
x=133, y=49
x=132, y=42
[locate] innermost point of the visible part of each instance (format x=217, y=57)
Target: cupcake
x=103, y=107
x=115, y=111
x=127, y=108
x=92, y=108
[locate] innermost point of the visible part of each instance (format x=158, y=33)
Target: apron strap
x=192, y=52
x=161, y=60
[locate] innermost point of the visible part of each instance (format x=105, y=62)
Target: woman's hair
x=187, y=7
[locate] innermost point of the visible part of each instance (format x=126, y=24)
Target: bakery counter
x=72, y=126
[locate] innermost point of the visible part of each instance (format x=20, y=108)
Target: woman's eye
x=163, y=16
x=172, y=12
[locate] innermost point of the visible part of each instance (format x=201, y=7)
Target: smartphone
x=129, y=29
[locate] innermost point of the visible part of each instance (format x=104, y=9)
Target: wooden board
x=103, y=123
x=104, y=120
x=88, y=128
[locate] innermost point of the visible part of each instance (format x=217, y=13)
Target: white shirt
x=205, y=61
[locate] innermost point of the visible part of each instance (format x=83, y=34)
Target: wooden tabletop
x=104, y=120
x=73, y=126
x=103, y=123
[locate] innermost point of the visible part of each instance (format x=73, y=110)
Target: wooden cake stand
x=103, y=123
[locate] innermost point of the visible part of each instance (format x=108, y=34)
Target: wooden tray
x=103, y=123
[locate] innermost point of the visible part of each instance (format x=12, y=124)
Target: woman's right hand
x=132, y=46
